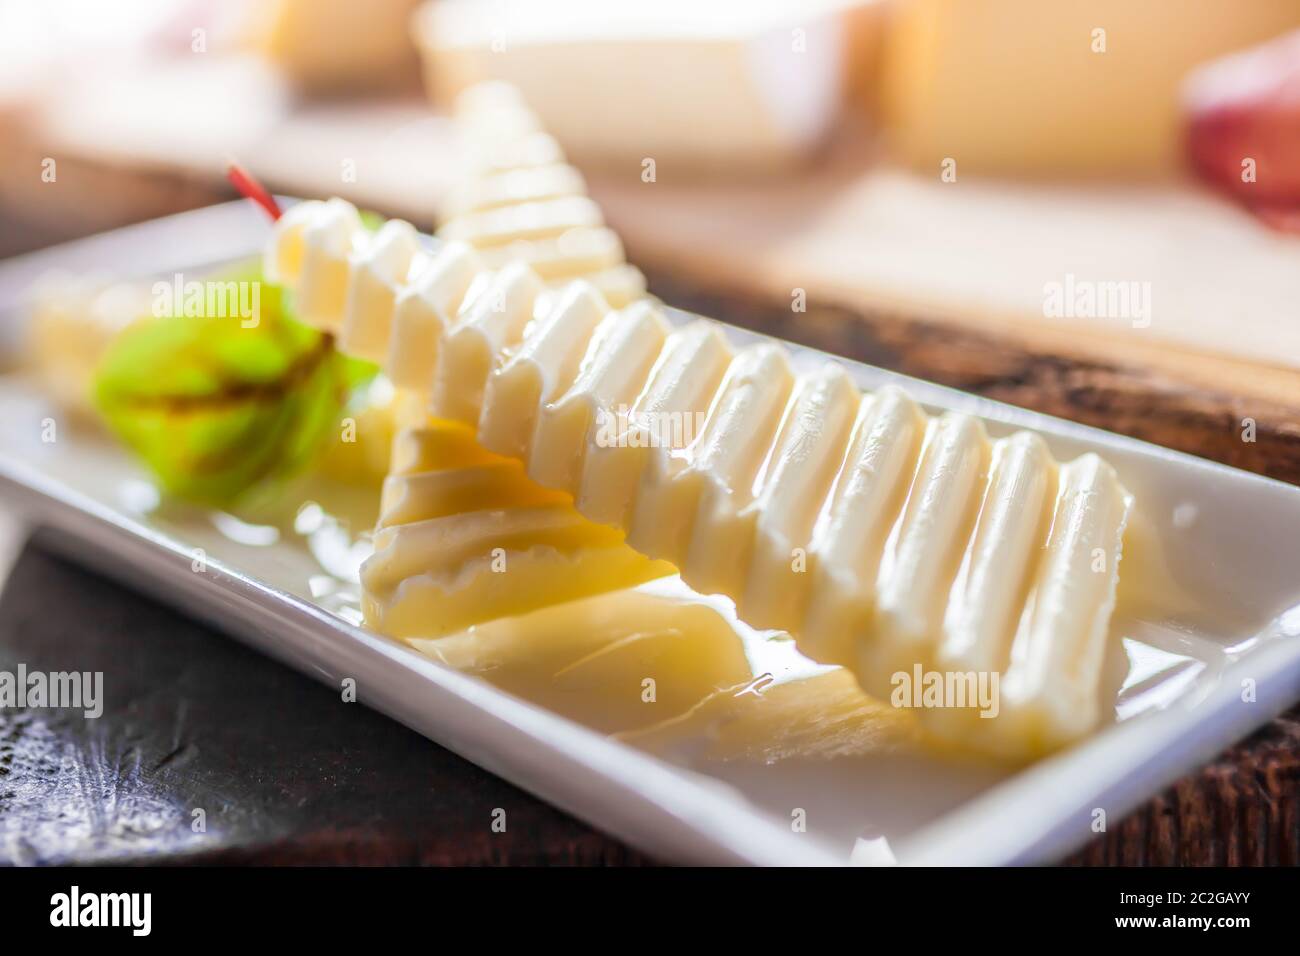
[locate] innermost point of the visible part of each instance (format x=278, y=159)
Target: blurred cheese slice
x=740, y=83
x=337, y=45
x=1014, y=86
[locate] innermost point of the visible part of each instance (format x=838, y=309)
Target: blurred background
x=915, y=183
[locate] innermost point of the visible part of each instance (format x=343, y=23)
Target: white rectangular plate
x=1211, y=640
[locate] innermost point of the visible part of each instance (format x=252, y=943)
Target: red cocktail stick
x=248, y=187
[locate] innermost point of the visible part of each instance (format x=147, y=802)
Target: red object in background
x=248, y=187
x=1247, y=107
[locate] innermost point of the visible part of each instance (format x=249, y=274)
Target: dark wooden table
x=282, y=769
x=287, y=773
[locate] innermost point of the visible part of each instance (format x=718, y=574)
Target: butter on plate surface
x=885, y=539
x=465, y=537
x=617, y=662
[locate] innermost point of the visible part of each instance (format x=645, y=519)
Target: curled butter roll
x=886, y=540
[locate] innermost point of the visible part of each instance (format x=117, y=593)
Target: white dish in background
x=1231, y=542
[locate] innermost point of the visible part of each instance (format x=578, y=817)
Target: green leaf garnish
x=215, y=408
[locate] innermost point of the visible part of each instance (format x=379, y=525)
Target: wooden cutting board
x=942, y=280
